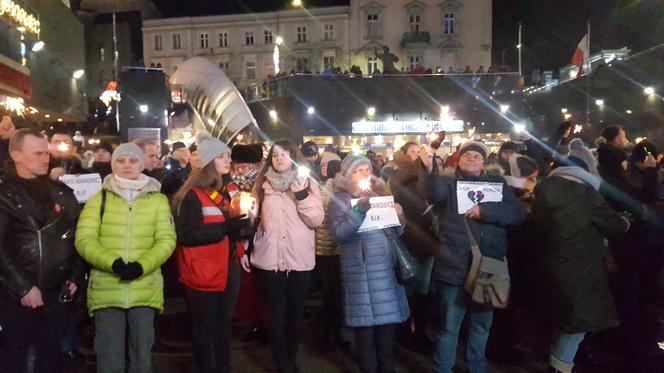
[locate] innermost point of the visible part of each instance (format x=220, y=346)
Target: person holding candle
x=374, y=302
x=209, y=251
x=283, y=256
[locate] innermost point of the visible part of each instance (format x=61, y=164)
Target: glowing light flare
x=371, y=111
x=649, y=91
x=13, y=104
x=303, y=171
x=519, y=127
x=567, y=116
x=311, y=110
x=143, y=108
x=297, y=3
x=273, y=114
x=504, y=108
x=63, y=147
x=247, y=202
x=38, y=46
x=275, y=55
x=78, y=74
x=563, y=110
x=599, y=102
x=364, y=184
x=578, y=128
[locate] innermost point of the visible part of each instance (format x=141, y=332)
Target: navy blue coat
x=371, y=294
x=454, y=256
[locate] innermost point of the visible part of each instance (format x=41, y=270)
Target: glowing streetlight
x=38, y=46
x=444, y=109
x=59, y=119
x=649, y=91
x=599, y=102
x=78, y=73
x=279, y=40
x=311, y=110
x=519, y=127
x=371, y=111
x=563, y=110
x=628, y=111
x=504, y=108
x=297, y=3
x=143, y=108
x=273, y=114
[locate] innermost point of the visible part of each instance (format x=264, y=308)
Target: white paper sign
x=470, y=193
x=381, y=215
x=84, y=186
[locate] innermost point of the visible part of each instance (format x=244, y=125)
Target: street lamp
x=273, y=114
x=78, y=73
x=371, y=111
x=143, y=108
x=599, y=102
x=38, y=46
x=649, y=91
x=311, y=110
x=504, y=108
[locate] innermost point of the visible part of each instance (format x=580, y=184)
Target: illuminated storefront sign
x=20, y=15
x=415, y=126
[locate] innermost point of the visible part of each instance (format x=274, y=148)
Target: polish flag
x=581, y=55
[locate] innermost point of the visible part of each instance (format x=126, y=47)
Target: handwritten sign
x=381, y=215
x=84, y=186
x=470, y=193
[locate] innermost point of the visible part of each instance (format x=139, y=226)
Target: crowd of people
x=243, y=236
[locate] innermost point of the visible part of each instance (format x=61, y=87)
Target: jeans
x=455, y=303
x=211, y=314
x=285, y=294
x=329, y=269
x=563, y=351
x=375, y=345
x=110, y=327
x=23, y=327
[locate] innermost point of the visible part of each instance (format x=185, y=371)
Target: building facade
x=434, y=34
x=243, y=45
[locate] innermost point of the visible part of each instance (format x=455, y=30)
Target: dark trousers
x=375, y=346
x=329, y=270
x=23, y=327
x=285, y=294
x=211, y=315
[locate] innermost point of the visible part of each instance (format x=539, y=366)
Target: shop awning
x=220, y=108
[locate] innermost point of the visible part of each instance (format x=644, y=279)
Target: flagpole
x=519, y=47
x=588, y=70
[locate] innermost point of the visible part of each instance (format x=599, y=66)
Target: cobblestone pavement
x=255, y=357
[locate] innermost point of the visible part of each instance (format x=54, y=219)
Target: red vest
x=205, y=267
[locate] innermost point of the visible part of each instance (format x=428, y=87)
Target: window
x=302, y=65
x=301, y=34
x=249, y=40
x=250, y=68
x=268, y=36
x=224, y=66
x=157, y=43
x=373, y=26
x=372, y=65
x=328, y=32
x=204, y=38
x=328, y=62
x=414, y=21
x=223, y=40
x=449, y=24
x=102, y=53
x=414, y=61
x=176, y=41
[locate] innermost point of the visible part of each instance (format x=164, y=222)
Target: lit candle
x=63, y=147
x=303, y=171
x=247, y=202
x=365, y=185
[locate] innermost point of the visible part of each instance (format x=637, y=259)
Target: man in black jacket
x=39, y=267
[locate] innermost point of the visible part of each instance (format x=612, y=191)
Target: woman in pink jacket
x=290, y=208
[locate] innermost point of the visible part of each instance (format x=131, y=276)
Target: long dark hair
x=296, y=158
x=206, y=177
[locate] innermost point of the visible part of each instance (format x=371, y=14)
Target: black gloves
x=237, y=226
x=127, y=271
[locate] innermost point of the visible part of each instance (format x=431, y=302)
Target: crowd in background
x=580, y=229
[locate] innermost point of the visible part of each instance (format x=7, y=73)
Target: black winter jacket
x=37, y=251
x=454, y=256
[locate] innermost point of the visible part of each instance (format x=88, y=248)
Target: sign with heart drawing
x=471, y=193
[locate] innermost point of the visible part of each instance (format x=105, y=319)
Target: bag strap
x=474, y=247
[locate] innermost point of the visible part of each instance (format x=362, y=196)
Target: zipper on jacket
x=127, y=239
x=41, y=256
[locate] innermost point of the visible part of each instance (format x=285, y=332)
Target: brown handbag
x=488, y=281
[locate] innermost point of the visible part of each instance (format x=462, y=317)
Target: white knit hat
x=128, y=149
x=209, y=148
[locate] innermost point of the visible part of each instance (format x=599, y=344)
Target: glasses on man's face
x=472, y=157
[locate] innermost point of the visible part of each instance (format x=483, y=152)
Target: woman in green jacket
x=126, y=233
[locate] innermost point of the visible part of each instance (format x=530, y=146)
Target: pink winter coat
x=285, y=239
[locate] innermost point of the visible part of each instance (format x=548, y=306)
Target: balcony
x=415, y=40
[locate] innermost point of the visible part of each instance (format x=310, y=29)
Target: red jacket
x=205, y=267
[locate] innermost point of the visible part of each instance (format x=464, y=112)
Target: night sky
x=551, y=28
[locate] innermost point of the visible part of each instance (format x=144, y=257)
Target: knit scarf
x=280, y=181
x=129, y=189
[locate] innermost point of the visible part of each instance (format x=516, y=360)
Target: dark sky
x=551, y=28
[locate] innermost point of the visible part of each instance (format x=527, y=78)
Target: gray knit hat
x=128, y=149
x=343, y=178
x=474, y=146
x=209, y=148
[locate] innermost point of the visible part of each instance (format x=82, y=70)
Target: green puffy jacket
x=141, y=230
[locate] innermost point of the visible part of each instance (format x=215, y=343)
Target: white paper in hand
x=84, y=186
x=381, y=215
x=470, y=193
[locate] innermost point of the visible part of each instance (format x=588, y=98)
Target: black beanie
x=611, y=132
x=509, y=145
x=106, y=146
x=178, y=145
x=252, y=153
